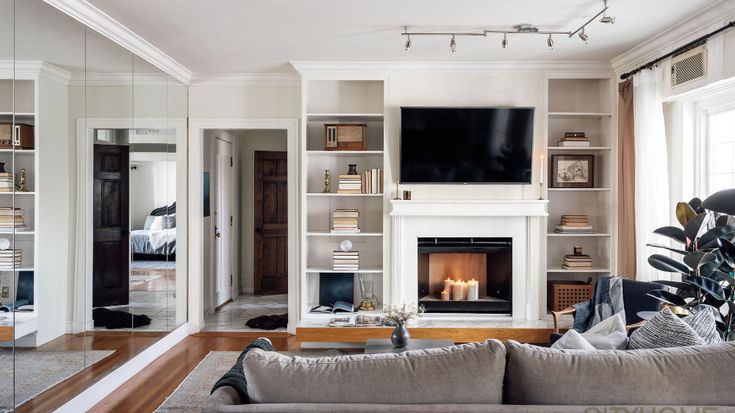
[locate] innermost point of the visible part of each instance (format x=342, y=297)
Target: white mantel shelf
x=470, y=208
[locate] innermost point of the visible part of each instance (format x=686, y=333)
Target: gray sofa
x=490, y=377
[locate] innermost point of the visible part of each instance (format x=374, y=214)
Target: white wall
x=152, y=185
x=245, y=145
x=252, y=102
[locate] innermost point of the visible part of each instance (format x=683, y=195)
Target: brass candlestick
x=326, y=189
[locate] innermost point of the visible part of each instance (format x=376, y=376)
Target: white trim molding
x=101, y=22
x=246, y=79
x=709, y=19
x=31, y=69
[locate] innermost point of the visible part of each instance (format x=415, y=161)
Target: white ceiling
x=236, y=36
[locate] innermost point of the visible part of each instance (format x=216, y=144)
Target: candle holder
x=326, y=189
x=540, y=191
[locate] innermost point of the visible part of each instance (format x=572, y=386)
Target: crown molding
x=32, y=69
x=246, y=79
x=120, y=79
x=314, y=69
x=99, y=21
x=709, y=19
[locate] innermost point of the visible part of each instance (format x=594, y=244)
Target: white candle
x=457, y=291
x=448, y=284
x=541, y=174
x=473, y=290
x=445, y=295
x=464, y=290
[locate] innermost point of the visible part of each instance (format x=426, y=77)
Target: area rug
x=192, y=393
x=153, y=265
x=36, y=371
x=138, y=279
x=268, y=322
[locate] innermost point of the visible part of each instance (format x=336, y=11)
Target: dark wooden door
x=110, y=276
x=271, y=224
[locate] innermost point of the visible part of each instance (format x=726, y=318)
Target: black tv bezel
x=400, y=145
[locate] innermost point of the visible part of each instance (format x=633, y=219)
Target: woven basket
x=564, y=294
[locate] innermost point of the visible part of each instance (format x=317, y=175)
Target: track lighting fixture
x=584, y=37
x=605, y=18
x=517, y=30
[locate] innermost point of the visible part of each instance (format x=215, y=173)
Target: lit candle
x=464, y=290
x=445, y=295
x=448, y=284
x=457, y=291
x=541, y=174
x=473, y=290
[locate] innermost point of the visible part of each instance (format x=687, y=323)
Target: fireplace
x=465, y=275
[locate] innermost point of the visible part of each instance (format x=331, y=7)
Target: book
x=573, y=144
x=338, y=306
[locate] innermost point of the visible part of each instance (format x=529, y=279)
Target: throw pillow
x=609, y=334
x=158, y=224
x=665, y=329
x=572, y=340
x=148, y=222
x=703, y=322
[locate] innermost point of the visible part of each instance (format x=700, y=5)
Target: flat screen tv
x=466, y=145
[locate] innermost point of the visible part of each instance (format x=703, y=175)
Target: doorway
x=246, y=238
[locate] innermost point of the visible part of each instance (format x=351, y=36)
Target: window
x=720, y=150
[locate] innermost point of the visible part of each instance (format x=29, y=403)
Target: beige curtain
x=626, y=182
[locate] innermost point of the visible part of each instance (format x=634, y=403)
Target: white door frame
x=196, y=208
x=82, y=317
x=223, y=278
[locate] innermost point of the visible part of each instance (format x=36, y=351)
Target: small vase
x=400, y=336
x=352, y=169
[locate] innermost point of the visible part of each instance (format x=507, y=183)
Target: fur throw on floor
x=118, y=319
x=268, y=322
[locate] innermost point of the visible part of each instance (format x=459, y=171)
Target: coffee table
x=377, y=345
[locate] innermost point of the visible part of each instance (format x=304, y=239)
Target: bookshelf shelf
x=578, y=148
x=593, y=270
x=343, y=235
x=580, y=114
x=344, y=153
x=319, y=194
x=579, y=189
x=363, y=270
x=594, y=234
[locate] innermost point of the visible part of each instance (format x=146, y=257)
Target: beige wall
x=265, y=102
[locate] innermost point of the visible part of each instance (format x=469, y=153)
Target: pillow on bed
x=148, y=222
x=163, y=222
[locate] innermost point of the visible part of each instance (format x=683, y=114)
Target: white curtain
x=651, y=168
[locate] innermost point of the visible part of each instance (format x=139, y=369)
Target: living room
x=235, y=212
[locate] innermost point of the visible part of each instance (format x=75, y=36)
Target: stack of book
x=10, y=259
x=346, y=261
x=574, y=139
x=372, y=181
x=574, y=224
x=8, y=215
x=344, y=221
x=7, y=182
x=350, y=184
x=577, y=262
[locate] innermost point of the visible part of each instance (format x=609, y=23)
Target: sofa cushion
x=696, y=375
x=665, y=329
x=572, y=340
x=469, y=373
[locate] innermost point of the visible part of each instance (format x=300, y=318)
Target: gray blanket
x=607, y=300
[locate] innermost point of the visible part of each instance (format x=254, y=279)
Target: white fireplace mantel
x=521, y=220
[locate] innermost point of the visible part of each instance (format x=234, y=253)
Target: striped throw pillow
x=703, y=322
x=665, y=329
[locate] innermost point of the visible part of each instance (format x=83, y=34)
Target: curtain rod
x=694, y=43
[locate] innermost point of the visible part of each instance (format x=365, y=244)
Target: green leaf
x=667, y=297
x=676, y=284
x=718, y=275
x=709, y=238
x=696, y=205
x=708, y=285
x=727, y=249
x=684, y=212
x=667, y=264
x=721, y=201
x=678, y=251
x=693, y=226
x=677, y=234
x=697, y=259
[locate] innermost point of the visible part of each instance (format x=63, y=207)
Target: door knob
x=217, y=233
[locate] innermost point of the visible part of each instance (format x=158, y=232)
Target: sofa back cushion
x=468, y=373
x=696, y=375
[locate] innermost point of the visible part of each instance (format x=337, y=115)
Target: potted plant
x=399, y=317
x=707, y=259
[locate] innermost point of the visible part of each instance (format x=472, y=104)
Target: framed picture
x=572, y=171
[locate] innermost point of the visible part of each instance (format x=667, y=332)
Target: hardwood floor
x=158, y=380
x=125, y=345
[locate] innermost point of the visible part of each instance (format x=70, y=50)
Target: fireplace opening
x=465, y=275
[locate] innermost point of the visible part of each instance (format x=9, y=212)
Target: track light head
x=504, y=42
x=453, y=45
x=605, y=18
x=584, y=37
x=550, y=42
x=408, y=43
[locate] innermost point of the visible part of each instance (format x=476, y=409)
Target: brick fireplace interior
x=475, y=275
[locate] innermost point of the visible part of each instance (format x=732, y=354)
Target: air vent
x=688, y=66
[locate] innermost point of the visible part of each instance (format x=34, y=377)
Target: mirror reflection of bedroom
x=134, y=271
x=245, y=230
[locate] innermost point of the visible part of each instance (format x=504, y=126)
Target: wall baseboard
x=247, y=290
x=98, y=391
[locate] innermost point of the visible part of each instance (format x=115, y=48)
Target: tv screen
x=466, y=145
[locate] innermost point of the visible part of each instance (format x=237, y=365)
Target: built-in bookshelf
x=583, y=104
x=335, y=101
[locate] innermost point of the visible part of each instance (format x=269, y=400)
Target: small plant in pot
x=399, y=316
x=707, y=264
